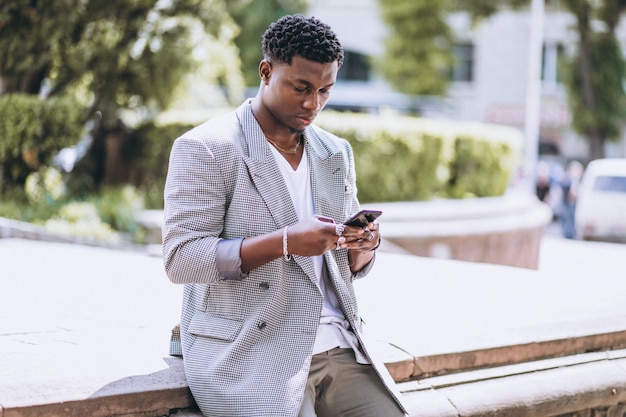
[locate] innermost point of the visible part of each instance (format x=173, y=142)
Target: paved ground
x=77, y=320
x=460, y=306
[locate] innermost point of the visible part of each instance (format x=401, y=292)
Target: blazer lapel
x=328, y=177
x=263, y=169
x=328, y=182
x=268, y=179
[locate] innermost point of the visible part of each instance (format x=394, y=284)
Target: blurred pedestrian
x=569, y=185
x=254, y=205
x=543, y=182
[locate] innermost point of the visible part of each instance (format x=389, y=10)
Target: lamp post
x=533, y=93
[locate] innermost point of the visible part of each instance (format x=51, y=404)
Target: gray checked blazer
x=247, y=344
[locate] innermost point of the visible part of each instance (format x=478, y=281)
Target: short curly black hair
x=298, y=35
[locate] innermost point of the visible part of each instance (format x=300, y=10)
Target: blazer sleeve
x=194, y=207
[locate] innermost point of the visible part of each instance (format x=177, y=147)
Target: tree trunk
x=596, y=145
x=595, y=138
x=116, y=171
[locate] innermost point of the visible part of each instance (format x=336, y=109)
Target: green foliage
x=408, y=163
x=125, y=61
x=480, y=9
x=33, y=130
x=253, y=18
x=28, y=35
x=605, y=112
x=117, y=207
x=596, y=72
x=14, y=204
x=148, y=150
x=80, y=219
x=149, y=145
x=418, y=50
x=401, y=158
x=483, y=159
x=394, y=160
x=418, y=55
x=106, y=216
x=45, y=186
x=153, y=195
x=114, y=54
x=480, y=168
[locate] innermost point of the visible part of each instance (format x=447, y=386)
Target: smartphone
x=362, y=218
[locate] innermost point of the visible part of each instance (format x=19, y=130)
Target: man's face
x=294, y=94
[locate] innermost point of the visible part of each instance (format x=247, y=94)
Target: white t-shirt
x=333, y=330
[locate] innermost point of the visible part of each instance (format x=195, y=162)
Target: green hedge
x=401, y=158
x=483, y=162
x=149, y=145
x=148, y=149
x=397, y=158
x=33, y=130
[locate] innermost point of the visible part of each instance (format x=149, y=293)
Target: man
x=570, y=182
x=254, y=205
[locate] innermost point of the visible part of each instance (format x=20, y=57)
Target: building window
x=355, y=67
x=463, y=68
x=551, y=68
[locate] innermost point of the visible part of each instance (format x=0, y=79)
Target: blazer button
x=261, y=325
x=265, y=285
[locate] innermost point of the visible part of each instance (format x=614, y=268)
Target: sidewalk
x=82, y=323
x=77, y=322
x=455, y=313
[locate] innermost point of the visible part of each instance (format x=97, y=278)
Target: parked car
x=601, y=201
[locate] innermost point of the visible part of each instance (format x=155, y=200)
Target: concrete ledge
x=444, y=364
x=160, y=393
x=503, y=230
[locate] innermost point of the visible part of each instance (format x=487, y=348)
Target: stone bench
x=503, y=230
x=84, y=331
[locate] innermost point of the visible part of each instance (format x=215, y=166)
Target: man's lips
x=307, y=120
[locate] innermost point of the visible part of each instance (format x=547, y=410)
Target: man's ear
x=265, y=69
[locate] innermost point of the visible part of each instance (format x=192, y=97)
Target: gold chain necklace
x=283, y=150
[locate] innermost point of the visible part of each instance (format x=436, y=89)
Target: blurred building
x=489, y=82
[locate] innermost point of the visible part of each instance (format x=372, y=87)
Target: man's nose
x=313, y=101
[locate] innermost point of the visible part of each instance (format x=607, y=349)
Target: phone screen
x=363, y=217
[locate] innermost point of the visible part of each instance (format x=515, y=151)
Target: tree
x=596, y=73
x=32, y=132
x=253, y=18
x=419, y=51
x=115, y=55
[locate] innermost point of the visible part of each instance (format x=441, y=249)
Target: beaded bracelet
x=286, y=254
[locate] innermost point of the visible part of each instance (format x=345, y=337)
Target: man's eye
x=300, y=90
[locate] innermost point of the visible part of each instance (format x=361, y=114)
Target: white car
x=601, y=201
